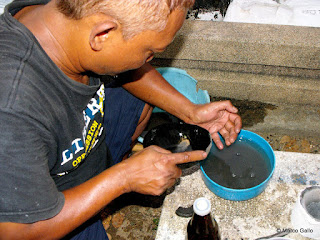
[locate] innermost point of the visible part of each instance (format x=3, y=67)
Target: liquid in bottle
x=202, y=226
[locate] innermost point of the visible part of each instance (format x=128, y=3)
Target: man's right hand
x=150, y=171
x=154, y=169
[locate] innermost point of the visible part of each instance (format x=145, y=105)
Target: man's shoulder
x=15, y=42
x=14, y=51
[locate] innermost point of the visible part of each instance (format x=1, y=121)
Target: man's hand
x=218, y=117
x=154, y=169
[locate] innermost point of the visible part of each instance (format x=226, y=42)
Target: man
x=55, y=114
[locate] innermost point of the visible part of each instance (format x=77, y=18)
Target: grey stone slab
x=247, y=43
x=261, y=216
x=259, y=87
x=262, y=62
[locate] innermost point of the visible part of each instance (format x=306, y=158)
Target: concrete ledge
x=290, y=119
x=261, y=216
x=273, y=89
x=269, y=63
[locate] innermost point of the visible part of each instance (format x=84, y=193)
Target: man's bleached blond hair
x=135, y=16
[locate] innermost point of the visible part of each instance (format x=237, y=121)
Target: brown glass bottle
x=202, y=226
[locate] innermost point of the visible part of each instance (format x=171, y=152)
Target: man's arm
x=150, y=171
x=149, y=85
x=81, y=203
x=217, y=117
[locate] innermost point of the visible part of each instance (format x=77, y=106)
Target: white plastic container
x=305, y=216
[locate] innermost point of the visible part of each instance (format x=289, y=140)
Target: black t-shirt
x=51, y=127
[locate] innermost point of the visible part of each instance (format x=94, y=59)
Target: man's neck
x=45, y=23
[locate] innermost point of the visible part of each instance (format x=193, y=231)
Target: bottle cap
x=202, y=206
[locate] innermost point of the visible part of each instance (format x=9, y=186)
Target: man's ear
x=100, y=33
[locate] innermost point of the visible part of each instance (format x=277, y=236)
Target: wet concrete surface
x=135, y=216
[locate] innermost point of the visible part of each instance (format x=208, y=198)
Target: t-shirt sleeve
x=27, y=191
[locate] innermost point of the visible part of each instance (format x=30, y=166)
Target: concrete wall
x=269, y=63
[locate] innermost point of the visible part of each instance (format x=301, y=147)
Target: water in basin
x=239, y=166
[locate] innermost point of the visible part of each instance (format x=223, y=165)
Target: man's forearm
x=150, y=86
x=81, y=203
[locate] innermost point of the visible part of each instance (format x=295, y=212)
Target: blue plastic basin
x=248, y=193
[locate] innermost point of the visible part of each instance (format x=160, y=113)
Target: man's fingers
x=217, y=141
x=230, y=107
x=186, y=157
x=238, y=124
x=229, y=133
x=236, y=119
x=225, y=105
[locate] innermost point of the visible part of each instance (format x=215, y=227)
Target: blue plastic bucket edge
x=204, y=93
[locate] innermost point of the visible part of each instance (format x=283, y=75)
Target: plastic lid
x=202, y=206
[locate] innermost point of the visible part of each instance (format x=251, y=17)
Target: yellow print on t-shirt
x=91, y=138
x=92, y=130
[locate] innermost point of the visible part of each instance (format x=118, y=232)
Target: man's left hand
x=218, y=117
